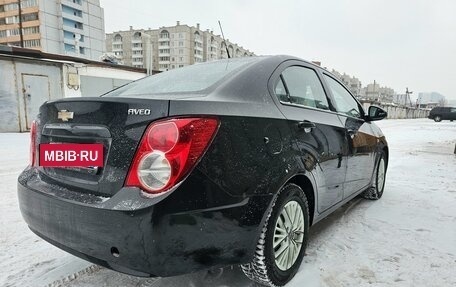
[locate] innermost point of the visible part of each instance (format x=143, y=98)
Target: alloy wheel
x=288, y=235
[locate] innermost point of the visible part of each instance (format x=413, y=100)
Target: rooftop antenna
x=224, y=41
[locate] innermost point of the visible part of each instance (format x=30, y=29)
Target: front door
x=359, y=135
x=35, y=89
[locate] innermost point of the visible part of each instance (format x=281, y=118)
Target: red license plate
x=71, y=155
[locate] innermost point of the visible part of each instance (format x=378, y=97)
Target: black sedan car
x=221, y=163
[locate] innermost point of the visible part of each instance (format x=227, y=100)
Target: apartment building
x=375, y=92
x=69, y=27
x=170, y=47
x=352, y=83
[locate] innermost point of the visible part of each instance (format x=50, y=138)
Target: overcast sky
x=398, y=43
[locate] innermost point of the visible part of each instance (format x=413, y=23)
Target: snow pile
x=408, y=238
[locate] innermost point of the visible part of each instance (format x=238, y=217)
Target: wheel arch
x=386, y=151
x=307, y=187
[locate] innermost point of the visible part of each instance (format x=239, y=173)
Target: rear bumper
x=153, y=238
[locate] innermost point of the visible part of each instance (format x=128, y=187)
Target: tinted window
x=453, y=110
x=304, y=88
x=344, y=102
x=192, y=78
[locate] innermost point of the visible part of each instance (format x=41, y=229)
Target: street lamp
x=148, y=52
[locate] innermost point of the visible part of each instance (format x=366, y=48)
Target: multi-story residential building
x=70, y=27
x=375, y=92
x=171, y=47
x=352, y=83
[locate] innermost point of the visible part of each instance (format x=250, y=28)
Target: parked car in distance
x=220, y=163
x=439, y=114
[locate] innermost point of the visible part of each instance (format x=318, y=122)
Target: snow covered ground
x=408, y=238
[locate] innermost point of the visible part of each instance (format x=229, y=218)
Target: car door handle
x=306, y=126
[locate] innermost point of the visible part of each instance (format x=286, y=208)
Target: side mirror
x=376, y=114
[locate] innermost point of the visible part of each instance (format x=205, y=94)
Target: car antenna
x=224, y=41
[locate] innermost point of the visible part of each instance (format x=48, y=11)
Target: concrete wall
x=395, y=112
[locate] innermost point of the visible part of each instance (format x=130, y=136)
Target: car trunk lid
x=117, y=123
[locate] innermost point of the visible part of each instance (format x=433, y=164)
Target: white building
x=374, y=92
x=352, y=83
x=431, y=97
x=171, y=47
x=69, y=27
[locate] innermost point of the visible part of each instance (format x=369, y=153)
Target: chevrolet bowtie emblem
x=65, y=115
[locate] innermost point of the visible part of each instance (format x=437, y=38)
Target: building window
x=29, y=3
x=81, y=50
x=31, y=30
x=164, y=51
x=164, y=58
x=32, y=43
x=2, y=33
x=117, y=38
x=181, y=43
x=137, y=45
x=11, y=20
x=10, y=7
x=13, y=32
x=136, y=36
x=117, y=46
x=29, y=17
x=164, y=35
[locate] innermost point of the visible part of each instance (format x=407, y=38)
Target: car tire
x=378, y=182
x=283, y=239
x=438, y=118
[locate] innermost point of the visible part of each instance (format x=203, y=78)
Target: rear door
x=359, y=134
x=318, y=132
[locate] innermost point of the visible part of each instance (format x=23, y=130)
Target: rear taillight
x=168, y=151
x=33, y=153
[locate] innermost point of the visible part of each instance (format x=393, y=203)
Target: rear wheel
x=283, y=240
x=438, y=118
x=376, y=190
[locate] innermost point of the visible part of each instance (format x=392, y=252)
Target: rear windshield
x=189, y=79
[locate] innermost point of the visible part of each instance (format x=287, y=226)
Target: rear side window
x=194, y=78
x=303, y=88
